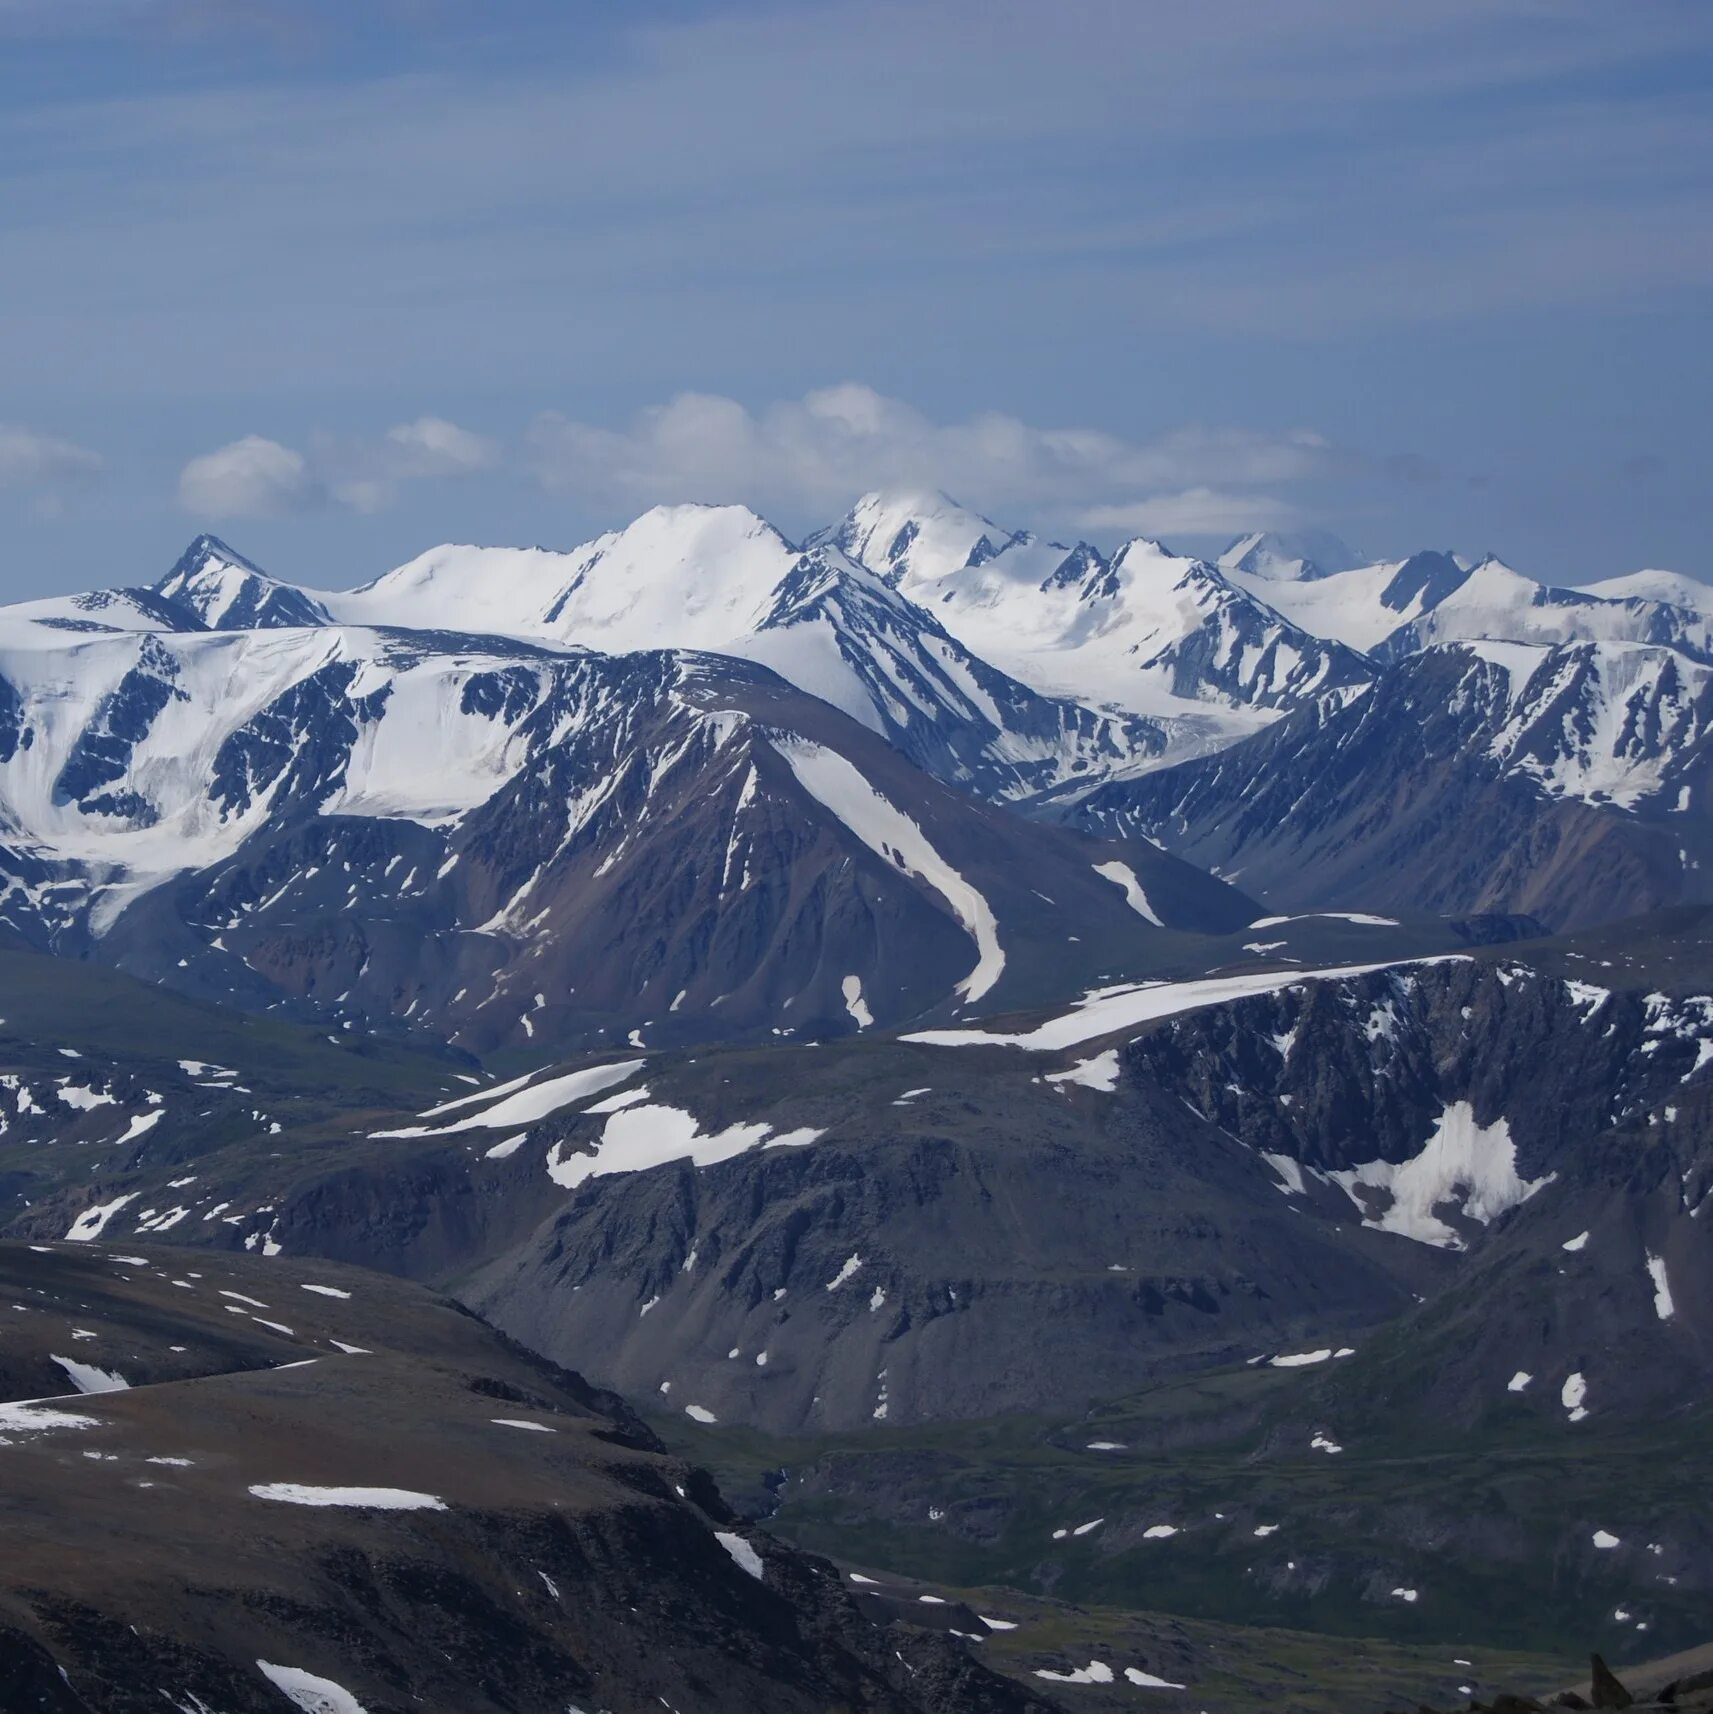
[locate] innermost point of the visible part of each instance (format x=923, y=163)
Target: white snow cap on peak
x=918, y=534
x=1295, y=556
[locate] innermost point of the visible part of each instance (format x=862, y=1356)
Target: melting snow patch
x=310, y=1694
x=140, y=1125
x=997, y=1624
x=1147, y=1681
x=1575, y=1243
x=1159, y=1532
x=526, y=1106
x=1104, y=1011
x=35, y=1419
x=746, y=1557
x=1575, y=1390
x=88, y=1379
x=1405, y=1595
x=1301, y=1359
x=700, y=1413
x=75, y=1095
x=1462, y=1162
x=838, y=786
x=847, y=1269
x=518, y=1422
x=1101, y=1072
x=366, y=1499
x=854, y=1002
x=1604, y=1539
x=325, y=1290
x=1122, y=875
x=1096, y=1672
x=92, y=1222
x=1519, y=1381
x=1664, y=1308
x=642, y=1137
x=505, y=1150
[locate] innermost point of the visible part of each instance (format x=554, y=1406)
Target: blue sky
x=341, y=281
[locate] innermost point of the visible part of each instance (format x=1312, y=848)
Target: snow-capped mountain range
x=725, y=769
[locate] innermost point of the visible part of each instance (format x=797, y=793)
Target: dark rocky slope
x=554, y=1557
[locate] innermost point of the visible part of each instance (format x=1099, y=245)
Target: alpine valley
x=919, y=1121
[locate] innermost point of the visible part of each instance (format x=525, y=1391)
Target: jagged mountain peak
x=224, y=591
x=205, y=549
x=1295, y=556
x=1149, y=556
x=916, y=536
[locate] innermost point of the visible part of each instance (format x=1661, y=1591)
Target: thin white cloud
x=34, y=462
x=249, y=478
x=815, y=453
x=258, y=478
x=1193, y=512
x=431, y=446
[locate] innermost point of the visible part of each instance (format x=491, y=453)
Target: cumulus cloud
x=257, y=478
x=802, y=460
x=249, y=478
x=815, y=453
x=40, y=463
x=431, y=446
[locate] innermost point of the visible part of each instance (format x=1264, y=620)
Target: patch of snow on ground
x=851, y=987
x=1105, y=1011
x=700, y=1413
x=1664, y=1308
x=1519, y=1381
x=1147, y=1680
x=1101, y=1072
x=1574, y=1391
x=88, y=1379
x=837, y=785
x=637, y=1138
x=1301, y=1359
x=847, y=1268
x=1122, y=875
x=366, y=1499
x=526, y=1106
x=1462, y=1162
x=741, y=1551
x=310, y=1694
x=92, y=1222
x=1096, y=1672
x=32, y=1418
